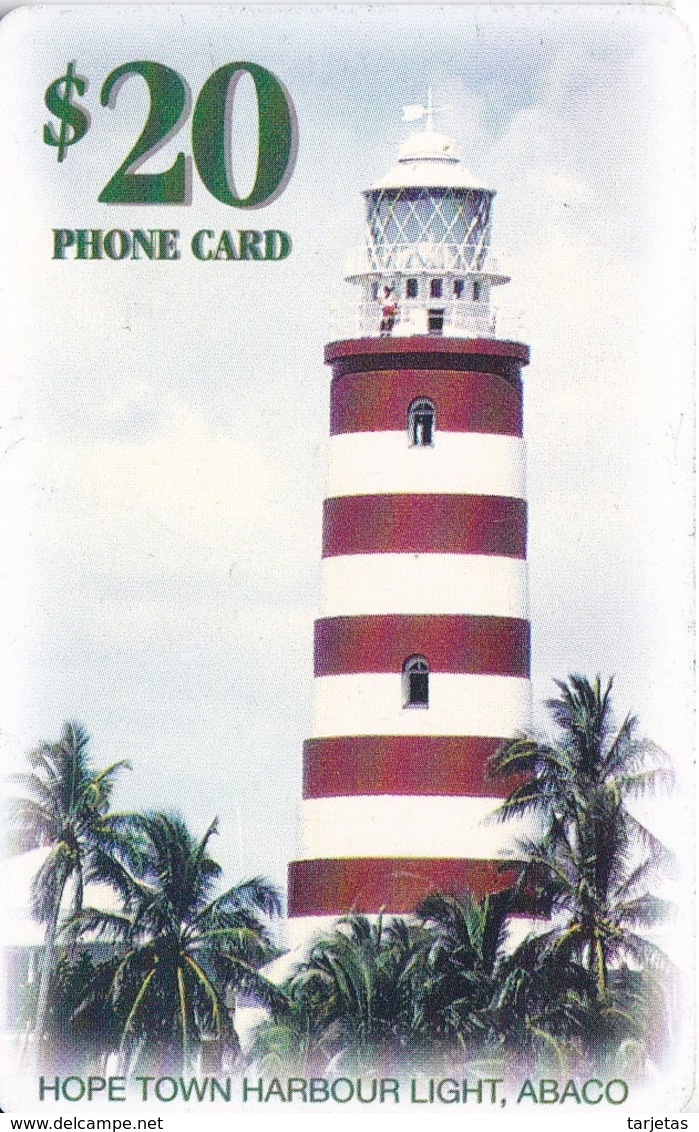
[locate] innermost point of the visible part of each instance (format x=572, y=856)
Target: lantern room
x=427, y=240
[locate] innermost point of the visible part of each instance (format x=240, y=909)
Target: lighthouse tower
x=422, y=648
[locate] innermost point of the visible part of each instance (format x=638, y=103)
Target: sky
x=163, y=427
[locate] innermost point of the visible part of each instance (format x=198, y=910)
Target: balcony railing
x=458, y=318
x=407, y=258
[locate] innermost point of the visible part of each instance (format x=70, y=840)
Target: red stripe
x=394, y=885
x=488, y=646
x=464, y=402
x=427, y=352
x=398, y=765
x=425, y=524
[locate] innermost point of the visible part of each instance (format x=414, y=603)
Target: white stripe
x=357, y=584
x=372, y=704
x=519, y=927
x=465, y=463
x=390, y=826
x=302, y=931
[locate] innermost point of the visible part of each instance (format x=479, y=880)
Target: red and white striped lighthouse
x=422, y=649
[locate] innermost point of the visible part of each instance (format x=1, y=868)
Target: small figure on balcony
x=389, y=310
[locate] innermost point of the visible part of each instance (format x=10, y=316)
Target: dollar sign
x=74, y=121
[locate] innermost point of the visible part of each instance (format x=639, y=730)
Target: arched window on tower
x=416, y=682
x=421, y=423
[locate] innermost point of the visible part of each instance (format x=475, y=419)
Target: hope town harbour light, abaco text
x=485, y=1091
x=164, y=244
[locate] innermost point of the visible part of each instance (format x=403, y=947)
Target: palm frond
x=112, y=926
x=218, y=1006
x=256, y=895
x=645, y=910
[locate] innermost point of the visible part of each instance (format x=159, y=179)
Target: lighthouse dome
x=428, y=159
x=428, y=145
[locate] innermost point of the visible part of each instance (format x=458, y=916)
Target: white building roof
x=20, y=929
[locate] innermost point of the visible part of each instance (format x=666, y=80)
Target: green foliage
x=594, y=856
x=356, y=1000
x=460, y=975
x=587, y=991
x=180, y=950
x=65, y=807
x=593, y=861
x=76, y=1037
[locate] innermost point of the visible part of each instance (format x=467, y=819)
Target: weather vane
x=416, y=111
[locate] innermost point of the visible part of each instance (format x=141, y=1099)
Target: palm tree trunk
x=46, y=974
x=600, y=965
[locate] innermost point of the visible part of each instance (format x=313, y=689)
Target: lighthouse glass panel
x=444, y=229
x=421, y=417
x=416, y=682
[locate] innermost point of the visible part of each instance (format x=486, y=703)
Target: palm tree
x=291, y=1041
x=65, y=808
x=467, y=941
x=589, y=854
x=358, y=996
x=549, y=1016
x=181, y=950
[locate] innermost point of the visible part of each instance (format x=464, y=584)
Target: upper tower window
x=416, y=682
x=458, y=288
x=411, y=288
x=476, y=291
x=435, y=288
x=421, y=420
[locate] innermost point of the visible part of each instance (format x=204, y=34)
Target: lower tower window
x=416, y=682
